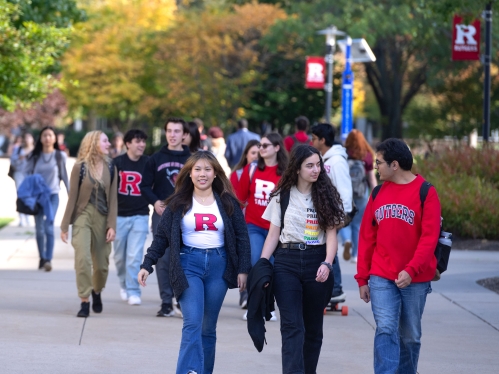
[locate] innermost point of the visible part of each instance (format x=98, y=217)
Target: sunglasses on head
x=265, y=145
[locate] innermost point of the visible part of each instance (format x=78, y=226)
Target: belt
x=299, y=246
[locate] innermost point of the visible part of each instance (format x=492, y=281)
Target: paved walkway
x=39, y=331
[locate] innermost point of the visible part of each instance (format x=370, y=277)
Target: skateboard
x=334, y=307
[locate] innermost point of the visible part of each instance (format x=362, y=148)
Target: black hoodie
x=161, y=172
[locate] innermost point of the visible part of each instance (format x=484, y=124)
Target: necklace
x=201, y=198
x=49, y=159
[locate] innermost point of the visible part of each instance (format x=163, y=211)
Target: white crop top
x=202, y=226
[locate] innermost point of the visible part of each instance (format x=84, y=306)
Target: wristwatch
x=329, y=266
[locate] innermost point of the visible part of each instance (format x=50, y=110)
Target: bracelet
x=329, y=266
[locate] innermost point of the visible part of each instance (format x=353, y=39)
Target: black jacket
x=236, y=242
x=160, y=173
x=260, y=300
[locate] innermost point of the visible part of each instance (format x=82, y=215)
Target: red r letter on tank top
x=205, y=219
x=129, y=183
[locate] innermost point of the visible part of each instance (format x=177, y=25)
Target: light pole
x=486, y=66
x=331, y=33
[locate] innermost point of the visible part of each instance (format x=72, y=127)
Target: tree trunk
x=388, y=76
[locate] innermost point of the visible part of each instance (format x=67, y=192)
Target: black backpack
x=442, y=251
x=296, y=142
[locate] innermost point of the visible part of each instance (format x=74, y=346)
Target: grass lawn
x=5, y=221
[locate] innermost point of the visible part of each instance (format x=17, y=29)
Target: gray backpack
x=358, y=176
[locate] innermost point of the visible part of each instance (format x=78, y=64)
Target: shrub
x=467, y=181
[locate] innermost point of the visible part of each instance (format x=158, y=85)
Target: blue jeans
x=398, y=313
x=257, y=237
x=45, y=230
x=201, y=303
x=131, y=234
x=301, y=301
x=351, y=232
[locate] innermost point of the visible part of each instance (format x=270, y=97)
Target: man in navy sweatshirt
x=160, y=174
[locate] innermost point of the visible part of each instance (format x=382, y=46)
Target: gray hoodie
x=336, y=165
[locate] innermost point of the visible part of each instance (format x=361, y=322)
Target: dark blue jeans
x=45, y=230
x=301, y=301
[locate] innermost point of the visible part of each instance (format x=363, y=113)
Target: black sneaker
x=42, y=262
x=96, y=302
x=243, y=299
x=85, y=310
x=166, y=311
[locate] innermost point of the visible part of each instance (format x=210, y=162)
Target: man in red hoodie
x=300, y=136
x=396, y=260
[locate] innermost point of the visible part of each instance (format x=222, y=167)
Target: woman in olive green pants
x=92, y=210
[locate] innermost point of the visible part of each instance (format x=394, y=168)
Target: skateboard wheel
x=344, y=311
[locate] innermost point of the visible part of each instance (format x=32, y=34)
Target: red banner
x=465, y=40
x=315, y=73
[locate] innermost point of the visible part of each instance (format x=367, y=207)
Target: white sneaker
x=274, y=317
x=354, y=260
x=123, y=294
x=245, y=317
x=134, y=300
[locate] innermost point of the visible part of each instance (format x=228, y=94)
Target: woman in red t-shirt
x=358, y=149
x=257, y=181
x=249, y=155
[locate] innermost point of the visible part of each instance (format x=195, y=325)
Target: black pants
x=301, y=301
x=163, y=268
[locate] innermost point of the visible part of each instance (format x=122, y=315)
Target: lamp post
x=487, y=14
x=331, y=33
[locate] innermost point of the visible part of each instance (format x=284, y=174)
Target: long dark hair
x=244, y=161
x=195, y=144
x=326, y=199
x=39, y=146
x=282, y=154
x=184, y=187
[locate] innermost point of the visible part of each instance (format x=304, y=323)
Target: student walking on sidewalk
x=204, y=228
x=303, y=212
x=49, y=162
x=133, y=215
x=255, y=185
x=158, y=183
x=91, y=209
x=396, y=260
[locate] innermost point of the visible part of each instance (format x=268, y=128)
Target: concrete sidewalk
x=39, y=331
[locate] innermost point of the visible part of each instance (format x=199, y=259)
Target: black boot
x=42, y=262
x=96, y=302
x=85, y=310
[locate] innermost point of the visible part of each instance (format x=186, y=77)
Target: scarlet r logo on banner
x=465, y=40
x=315, y=73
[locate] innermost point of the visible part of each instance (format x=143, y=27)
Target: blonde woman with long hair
x=92, y=210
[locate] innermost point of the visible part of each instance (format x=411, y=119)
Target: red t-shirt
x=257, y=194
x=301, y=136
x=402, y=238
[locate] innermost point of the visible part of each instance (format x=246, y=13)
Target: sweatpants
x=91, y=251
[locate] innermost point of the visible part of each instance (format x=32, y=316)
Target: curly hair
x=357, y=145
x=184, y=188
x=282, y=154
x=91, y=154
x=326, y=199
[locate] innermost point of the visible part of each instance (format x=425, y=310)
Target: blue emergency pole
x=347, y=94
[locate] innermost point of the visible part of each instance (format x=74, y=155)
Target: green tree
x=26, y=54
x=60, y=13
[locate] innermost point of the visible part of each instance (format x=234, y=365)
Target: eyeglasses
x=265, y=145
x=377, y=162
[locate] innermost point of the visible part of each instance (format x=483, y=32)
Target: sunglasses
x=265, y=145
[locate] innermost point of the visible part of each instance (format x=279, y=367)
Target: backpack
x=443, y=248
x=296, y=142
x=358, y=176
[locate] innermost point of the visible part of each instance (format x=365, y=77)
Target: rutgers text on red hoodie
x=395, y=235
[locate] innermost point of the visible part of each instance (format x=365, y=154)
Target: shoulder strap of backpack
x=58, y=160
x=110, y=165
x=252, y=170
x=82, y=173
x=284, y=201
x=423, y=192
x=375, y=191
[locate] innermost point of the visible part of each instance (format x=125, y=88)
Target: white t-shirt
x=300, y=220
x=202, y=226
